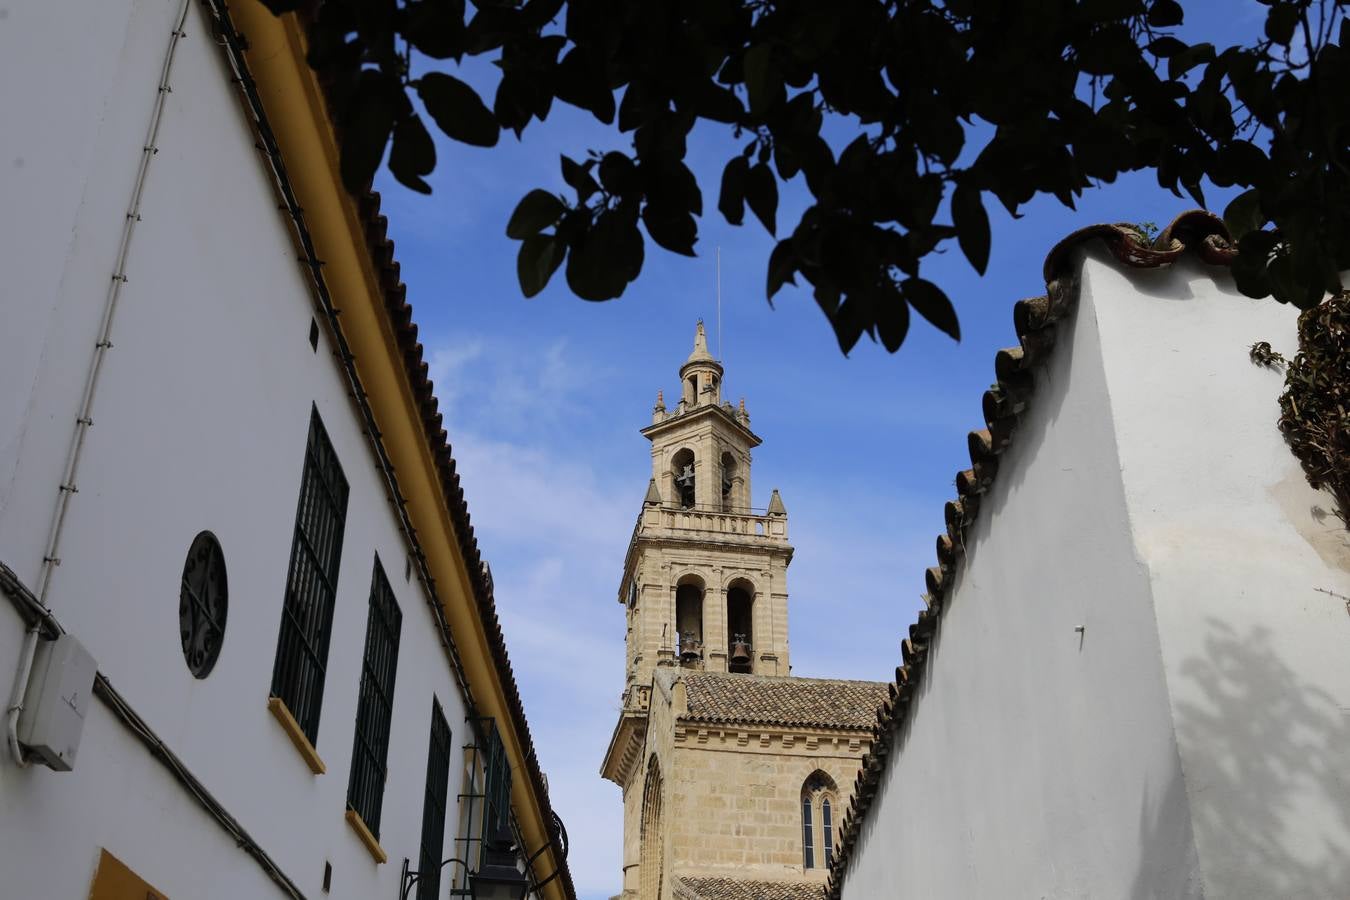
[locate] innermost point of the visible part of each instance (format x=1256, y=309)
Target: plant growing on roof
x=948, y=103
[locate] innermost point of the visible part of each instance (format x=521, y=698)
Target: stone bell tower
x=705, y=579
x=730, y=767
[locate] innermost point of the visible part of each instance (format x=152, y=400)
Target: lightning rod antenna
x=719, y=307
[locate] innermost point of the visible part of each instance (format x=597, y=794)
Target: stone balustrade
x=679, y=521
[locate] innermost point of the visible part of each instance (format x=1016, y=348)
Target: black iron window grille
x=375, y=707
x=311, y=583
x=433, y=806
x=487, y=800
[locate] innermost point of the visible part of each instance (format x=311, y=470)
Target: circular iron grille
x=202, y=604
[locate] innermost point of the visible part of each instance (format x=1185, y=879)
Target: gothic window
x=682, y=471
x=740, y=627
x=818, y=798
x=651, y=859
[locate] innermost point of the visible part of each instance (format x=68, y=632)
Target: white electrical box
x=54, y=707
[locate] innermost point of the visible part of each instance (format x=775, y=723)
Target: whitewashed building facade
x=238, y=501
x=1131, y=680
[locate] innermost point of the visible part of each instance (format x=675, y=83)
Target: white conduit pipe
x=68, y=483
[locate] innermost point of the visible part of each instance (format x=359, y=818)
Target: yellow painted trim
x=294, y=104
x=114, y=880
x=372, y=843
x=282, y=714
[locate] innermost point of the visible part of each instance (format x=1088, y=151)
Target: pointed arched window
x=818, y=798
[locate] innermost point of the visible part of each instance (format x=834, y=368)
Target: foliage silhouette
x=953, y=102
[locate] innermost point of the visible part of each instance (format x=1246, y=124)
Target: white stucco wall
x=200, y=423
x=1249, y=569
x=1192, y=742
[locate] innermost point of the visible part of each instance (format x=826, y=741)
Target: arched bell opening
x=729, y=500
x=689, y=620
x=741, y=627
x=682, y=475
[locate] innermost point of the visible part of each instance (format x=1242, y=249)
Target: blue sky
x=544, y=398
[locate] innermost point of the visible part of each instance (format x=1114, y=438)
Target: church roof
x=789, y=702
x=693, y=888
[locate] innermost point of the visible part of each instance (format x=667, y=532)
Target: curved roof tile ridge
x=1197, y=231
x=399, y=311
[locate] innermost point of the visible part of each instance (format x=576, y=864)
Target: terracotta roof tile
x=690, y=888
x=1034, y=319
x=789, y=702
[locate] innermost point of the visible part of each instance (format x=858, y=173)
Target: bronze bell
x=690, y=647
x=740, y=651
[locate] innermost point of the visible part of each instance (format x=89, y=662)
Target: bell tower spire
x=705, y=579
x=701, y=375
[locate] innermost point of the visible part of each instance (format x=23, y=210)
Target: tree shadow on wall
x=1268, y=772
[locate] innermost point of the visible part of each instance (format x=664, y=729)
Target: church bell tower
x=729, y=765
x=705, y=580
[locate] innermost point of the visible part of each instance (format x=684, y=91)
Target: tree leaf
x=367, y=120
x=892, y=320
x=457, y=109
x=413, y=154
x=732, y=199
x=1281, y=21
x=759, y=77
x=605, y=258
x=579, y=177
x=761, y=193
x=676, y=231
x=1243, y=214
x=539, y=257
x=1183, y=61
x=436, y=27
x=536, y=211
x=931, y=303
x=1166, y=46
x=782, y=267
x=1250, y=268
x=972, y=226
x=848, y=320
x=1165, y=13
x=617, y=173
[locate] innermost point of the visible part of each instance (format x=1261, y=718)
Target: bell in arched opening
x=682, y=473
x=739, y=661
x=740, y=625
